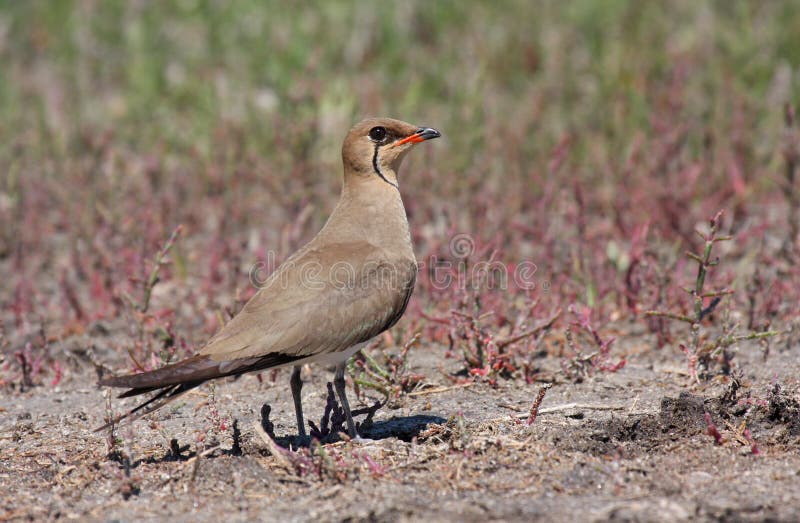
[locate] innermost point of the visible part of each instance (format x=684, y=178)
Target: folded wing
x=319, y=301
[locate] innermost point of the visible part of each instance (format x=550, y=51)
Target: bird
x=347, y=285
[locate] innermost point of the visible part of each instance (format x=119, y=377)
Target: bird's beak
x=422, y=134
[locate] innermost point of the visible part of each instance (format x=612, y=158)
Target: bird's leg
x=339, y=383
x=297, y=384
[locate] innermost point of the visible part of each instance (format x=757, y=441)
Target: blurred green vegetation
x=171, y=71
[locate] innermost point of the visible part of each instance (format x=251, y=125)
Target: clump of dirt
x=775, y=421
x=775, y=418
x=778, y=421
x=678, y=418
x=783, y=409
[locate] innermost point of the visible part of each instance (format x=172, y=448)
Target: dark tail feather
x=166, y=395
x=171, y=381
x=136, y=392
x=174, y=380
x=196, y=368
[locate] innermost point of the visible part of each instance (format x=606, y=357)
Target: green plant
x=385, y=372
x=703, y=347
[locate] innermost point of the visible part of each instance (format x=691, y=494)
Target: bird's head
x=376, y=146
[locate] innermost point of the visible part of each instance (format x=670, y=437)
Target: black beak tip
x=428, y=133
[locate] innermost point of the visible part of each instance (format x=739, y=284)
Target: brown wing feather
x=322, y=300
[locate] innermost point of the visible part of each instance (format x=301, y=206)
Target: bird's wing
x=323, y=300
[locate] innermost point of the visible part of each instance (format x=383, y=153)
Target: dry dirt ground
x=629, y=446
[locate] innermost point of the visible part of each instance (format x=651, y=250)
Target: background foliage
x=588, y=137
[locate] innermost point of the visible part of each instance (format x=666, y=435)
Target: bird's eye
x=377, y=134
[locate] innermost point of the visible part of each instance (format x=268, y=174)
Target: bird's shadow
x=404, y=428
x=332, y=424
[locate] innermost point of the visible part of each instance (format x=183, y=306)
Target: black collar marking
x=378, y=169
